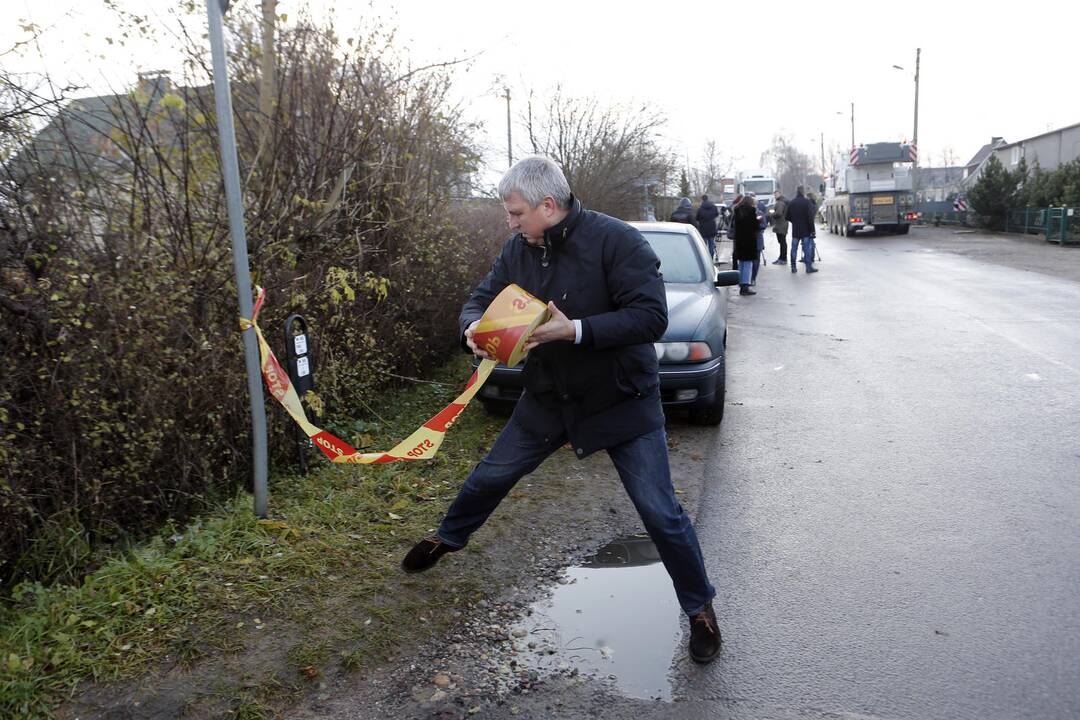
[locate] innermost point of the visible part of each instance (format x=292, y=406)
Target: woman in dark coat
x=746, y=224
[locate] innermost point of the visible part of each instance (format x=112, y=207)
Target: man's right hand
x=477, y=351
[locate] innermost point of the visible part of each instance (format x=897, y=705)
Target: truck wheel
x=903, y=229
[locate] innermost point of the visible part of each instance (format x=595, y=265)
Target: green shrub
x=995, y=193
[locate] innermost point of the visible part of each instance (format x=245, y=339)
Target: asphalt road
x=892, y=505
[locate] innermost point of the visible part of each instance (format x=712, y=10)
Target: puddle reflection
x=616, y=616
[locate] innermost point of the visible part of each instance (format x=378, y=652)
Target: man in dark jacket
x=706, y=217
x=780, y=226
x=591, y=377
x=684, y=213
x=800, y=213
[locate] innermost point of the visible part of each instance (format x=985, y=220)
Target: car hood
x=687, y=306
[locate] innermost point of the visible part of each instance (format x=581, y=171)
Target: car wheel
x=712, y=413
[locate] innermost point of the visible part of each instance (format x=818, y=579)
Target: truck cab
x=761, y=183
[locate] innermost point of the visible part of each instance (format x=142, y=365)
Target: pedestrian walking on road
x=800, y=213
x=706, y=217
x=684, y=213
x=747, y=226
x=780, y=226
x=591, y=377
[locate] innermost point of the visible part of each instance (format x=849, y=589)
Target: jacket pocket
x=637, y=370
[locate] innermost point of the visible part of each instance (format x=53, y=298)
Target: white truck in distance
x=760, y=182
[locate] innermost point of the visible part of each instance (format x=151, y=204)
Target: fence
x=1059, y=225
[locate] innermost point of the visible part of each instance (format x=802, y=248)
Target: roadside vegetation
x=999, y=190
x=317, y=584
x=127, y=544
x=123, y=405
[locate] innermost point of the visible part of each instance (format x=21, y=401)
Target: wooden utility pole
x=915, y=134
x=853, y=124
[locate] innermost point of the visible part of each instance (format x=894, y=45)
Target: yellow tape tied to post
x=502, y=333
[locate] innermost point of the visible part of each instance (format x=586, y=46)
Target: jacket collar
x=557, y=234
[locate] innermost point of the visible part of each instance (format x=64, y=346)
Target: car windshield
x=679, y=260
x=758, y=187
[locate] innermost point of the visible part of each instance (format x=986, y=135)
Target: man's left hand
x=558, y=327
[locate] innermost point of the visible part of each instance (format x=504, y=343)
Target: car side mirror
x=725, y=278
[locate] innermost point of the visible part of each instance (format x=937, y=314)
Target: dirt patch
x=1023, y=252
x=456, y=657
x=556, y=517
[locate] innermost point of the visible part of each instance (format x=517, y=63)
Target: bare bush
x=610, y=154
x=125, y=403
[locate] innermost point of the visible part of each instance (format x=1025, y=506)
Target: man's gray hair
x=535, y=178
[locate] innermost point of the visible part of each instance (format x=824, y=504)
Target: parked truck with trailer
x=874, y=192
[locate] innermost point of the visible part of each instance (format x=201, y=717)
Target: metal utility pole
x=509, y=144
x=230, y=168
x=824, y=170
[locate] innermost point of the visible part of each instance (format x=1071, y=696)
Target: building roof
x=984, y=151
x=1036, y=137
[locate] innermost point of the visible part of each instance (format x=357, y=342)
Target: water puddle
x=614, y=617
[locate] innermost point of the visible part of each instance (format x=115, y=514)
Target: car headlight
x=682, y=351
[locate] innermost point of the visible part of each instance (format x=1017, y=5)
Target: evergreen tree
x=684, y=184
x=994, y=193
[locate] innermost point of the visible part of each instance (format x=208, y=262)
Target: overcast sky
x=738, y=79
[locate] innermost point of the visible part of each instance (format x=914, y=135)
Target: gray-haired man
x=591, y=377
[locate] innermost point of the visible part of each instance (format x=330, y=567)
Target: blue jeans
x=642, y=464
x=746, y=271
x=807, y=250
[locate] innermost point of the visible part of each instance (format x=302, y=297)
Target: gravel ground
x=1030, y=253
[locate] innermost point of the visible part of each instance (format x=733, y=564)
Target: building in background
x=1049, y=150
x=974, y=166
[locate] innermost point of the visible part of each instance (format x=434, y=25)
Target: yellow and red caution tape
x=502, y=332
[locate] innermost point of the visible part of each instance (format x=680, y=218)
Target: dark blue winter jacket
x=605, y=390
x=800, y=213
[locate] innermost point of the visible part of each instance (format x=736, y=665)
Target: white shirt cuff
x=577, y=332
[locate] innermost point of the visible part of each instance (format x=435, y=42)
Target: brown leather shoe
x=704, y=636
x=425, y=554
